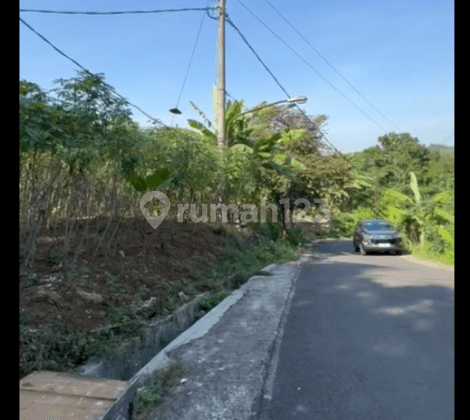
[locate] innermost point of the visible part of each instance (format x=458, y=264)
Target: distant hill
x=444, y=150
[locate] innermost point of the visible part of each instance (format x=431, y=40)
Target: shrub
x=296, y=236
x=170, y=303
x=273, y=228
x=345, y=223
x=212, y=300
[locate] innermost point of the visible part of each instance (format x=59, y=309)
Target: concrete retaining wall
x=145, y=357
x=157, y=335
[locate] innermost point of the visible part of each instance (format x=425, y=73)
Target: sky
x=398, y=54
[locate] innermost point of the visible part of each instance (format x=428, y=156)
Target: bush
x=274, y=230
x=54, y=347
x=345, y=223
x=150, y=396
x=296, y=236
x=209, y=302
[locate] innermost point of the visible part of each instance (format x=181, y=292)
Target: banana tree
x=444, y=216
x=237, y=125
x=239, y=137
x=406, y=208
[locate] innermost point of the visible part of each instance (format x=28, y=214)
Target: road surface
x=366, y=337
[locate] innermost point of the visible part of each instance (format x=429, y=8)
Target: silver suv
x=376, y=236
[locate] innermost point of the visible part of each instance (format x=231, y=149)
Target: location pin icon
x=151, y=218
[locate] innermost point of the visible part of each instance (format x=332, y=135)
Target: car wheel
x=356, y=248
x=362, y=250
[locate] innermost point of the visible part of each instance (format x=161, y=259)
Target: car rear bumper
x=385, y=247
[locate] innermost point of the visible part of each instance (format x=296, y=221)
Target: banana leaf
x=444, y=215
x=414, y=187
x=446, y=235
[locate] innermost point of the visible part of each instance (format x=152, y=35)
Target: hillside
x=444, y=150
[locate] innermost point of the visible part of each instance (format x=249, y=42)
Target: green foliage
x=425, y=222
x=124, y=320
x=345, y=223
x=236, y=267
x=159, y=388
x=150, y=396
x=254, y=156
x=170, y=303
x=75, y=143
x=272, y=228
x=442, y=149
x=213, y=299
x=296, y=237
x=54, y=347
x=390, y=163
x=279, y=251
x=412, y=187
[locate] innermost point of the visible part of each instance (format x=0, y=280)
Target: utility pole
x=220, y=102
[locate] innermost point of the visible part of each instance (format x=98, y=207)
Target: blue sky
x=397, y=54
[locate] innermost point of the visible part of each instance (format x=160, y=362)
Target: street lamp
x=291, y=101
x=297, y=99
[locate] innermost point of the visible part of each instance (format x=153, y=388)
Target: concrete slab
x=52, y=395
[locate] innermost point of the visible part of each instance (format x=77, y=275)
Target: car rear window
x=377, y=226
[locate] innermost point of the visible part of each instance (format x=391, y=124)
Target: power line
x=284, y=90
x=90, y=73
x=311, y=67
x=448, y=137
x=190, y=60
x=256, y=55
x=189, y=9
x=327, y=62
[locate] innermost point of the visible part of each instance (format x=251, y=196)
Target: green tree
x=402, y=154
x=262, y=155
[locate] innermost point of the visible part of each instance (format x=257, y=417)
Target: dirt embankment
x=160, y=268
x=117, y=264
x=138, y=259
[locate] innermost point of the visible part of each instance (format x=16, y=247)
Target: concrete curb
x=123, y=408
x=197, y=330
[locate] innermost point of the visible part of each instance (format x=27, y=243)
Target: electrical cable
x=311, y=67
x=91, y=74
x=256, y=54
x=327, y=62
x=448, y=137
x=190, y=61
x=192, y=9
x=284, y=90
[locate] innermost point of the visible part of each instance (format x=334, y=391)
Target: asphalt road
x=366, y=337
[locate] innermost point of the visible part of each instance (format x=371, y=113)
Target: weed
x=209, y=302
x=170, y=303
x=54, y=347
x=150, y=396
x=272, y=228
x=296, y=236
x=143, y=293
x=427, y=252
x=159, y=388
x=124, y=320
x=113, y=283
